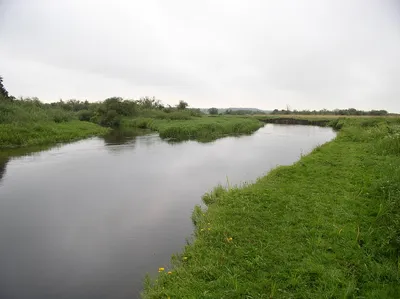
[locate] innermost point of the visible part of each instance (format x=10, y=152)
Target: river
x=88, y=220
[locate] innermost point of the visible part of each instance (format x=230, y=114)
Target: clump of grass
x=211, y=197
x=325, y=227
x=197, y=215
x=389, y=143
x=140, y=122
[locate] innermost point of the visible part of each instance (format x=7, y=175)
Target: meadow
x=326, y=227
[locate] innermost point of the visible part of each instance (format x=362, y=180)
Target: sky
x=267, y=54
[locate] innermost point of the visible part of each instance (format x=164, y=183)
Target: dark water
x=89, y=219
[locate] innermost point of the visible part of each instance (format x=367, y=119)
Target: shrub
x=85, y=115
x=60, y=116
x=110, y=119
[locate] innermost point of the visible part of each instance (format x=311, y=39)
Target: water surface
x=88, y=220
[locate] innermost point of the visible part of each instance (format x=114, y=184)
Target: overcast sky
x=308, y=54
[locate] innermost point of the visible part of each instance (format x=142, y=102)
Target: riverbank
x=29, y=122
x=16, y=135
x=205, y=128
x=327, y=226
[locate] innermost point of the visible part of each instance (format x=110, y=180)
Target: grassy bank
x=29, y=134
x=204, y=128
x=27, y=122
x=30, y=122
x=325, y=227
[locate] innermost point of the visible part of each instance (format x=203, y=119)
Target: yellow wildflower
x=229, y=239
x=161, y=269
x=169, y=272
x=185, y=258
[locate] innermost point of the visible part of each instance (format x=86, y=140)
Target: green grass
x=27, y=122
x=326, y=227
x=30, y=111
x=29, y=134
x=197, y=128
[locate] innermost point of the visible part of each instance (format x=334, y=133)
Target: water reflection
x=89, y=219
x=7, y=155
x=118, y=137
x=3, y=165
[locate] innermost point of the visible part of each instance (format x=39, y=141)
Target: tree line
x=349, y=111
x=109, y=112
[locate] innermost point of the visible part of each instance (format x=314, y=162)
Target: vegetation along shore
x=30, y=122
x=326, y=227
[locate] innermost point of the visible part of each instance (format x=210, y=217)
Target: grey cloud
x=308, y=54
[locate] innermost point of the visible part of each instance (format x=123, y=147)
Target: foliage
x=326, y=227
x=213, y=111
x=31, y=110
x=182, y=105
x=149, y=103
x=3, y=91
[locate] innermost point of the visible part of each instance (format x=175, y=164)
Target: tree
x=3, y=91
x=213, y=111
x=182, y=105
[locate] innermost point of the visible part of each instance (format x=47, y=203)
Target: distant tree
x=3, y=91
x=276, y=111
x=182, y=105
x=350, y=111
x=213, y=111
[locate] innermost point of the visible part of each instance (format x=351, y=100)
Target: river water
x=88, y=220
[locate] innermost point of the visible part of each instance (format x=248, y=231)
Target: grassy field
x=326, y=227
x=204, y=128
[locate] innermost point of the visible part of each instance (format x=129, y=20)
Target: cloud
x=308, y=54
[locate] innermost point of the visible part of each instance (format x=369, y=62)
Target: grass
x=29, y=134
x=326, y=227
x=197, y=128
x=30, y=111
x=28, y=122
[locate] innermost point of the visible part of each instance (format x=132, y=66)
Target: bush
x=110, y=119
x=213, y=111
x=85, y=115
x=60, y=116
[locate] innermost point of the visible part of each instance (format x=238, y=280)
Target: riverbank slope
x=326, y=227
